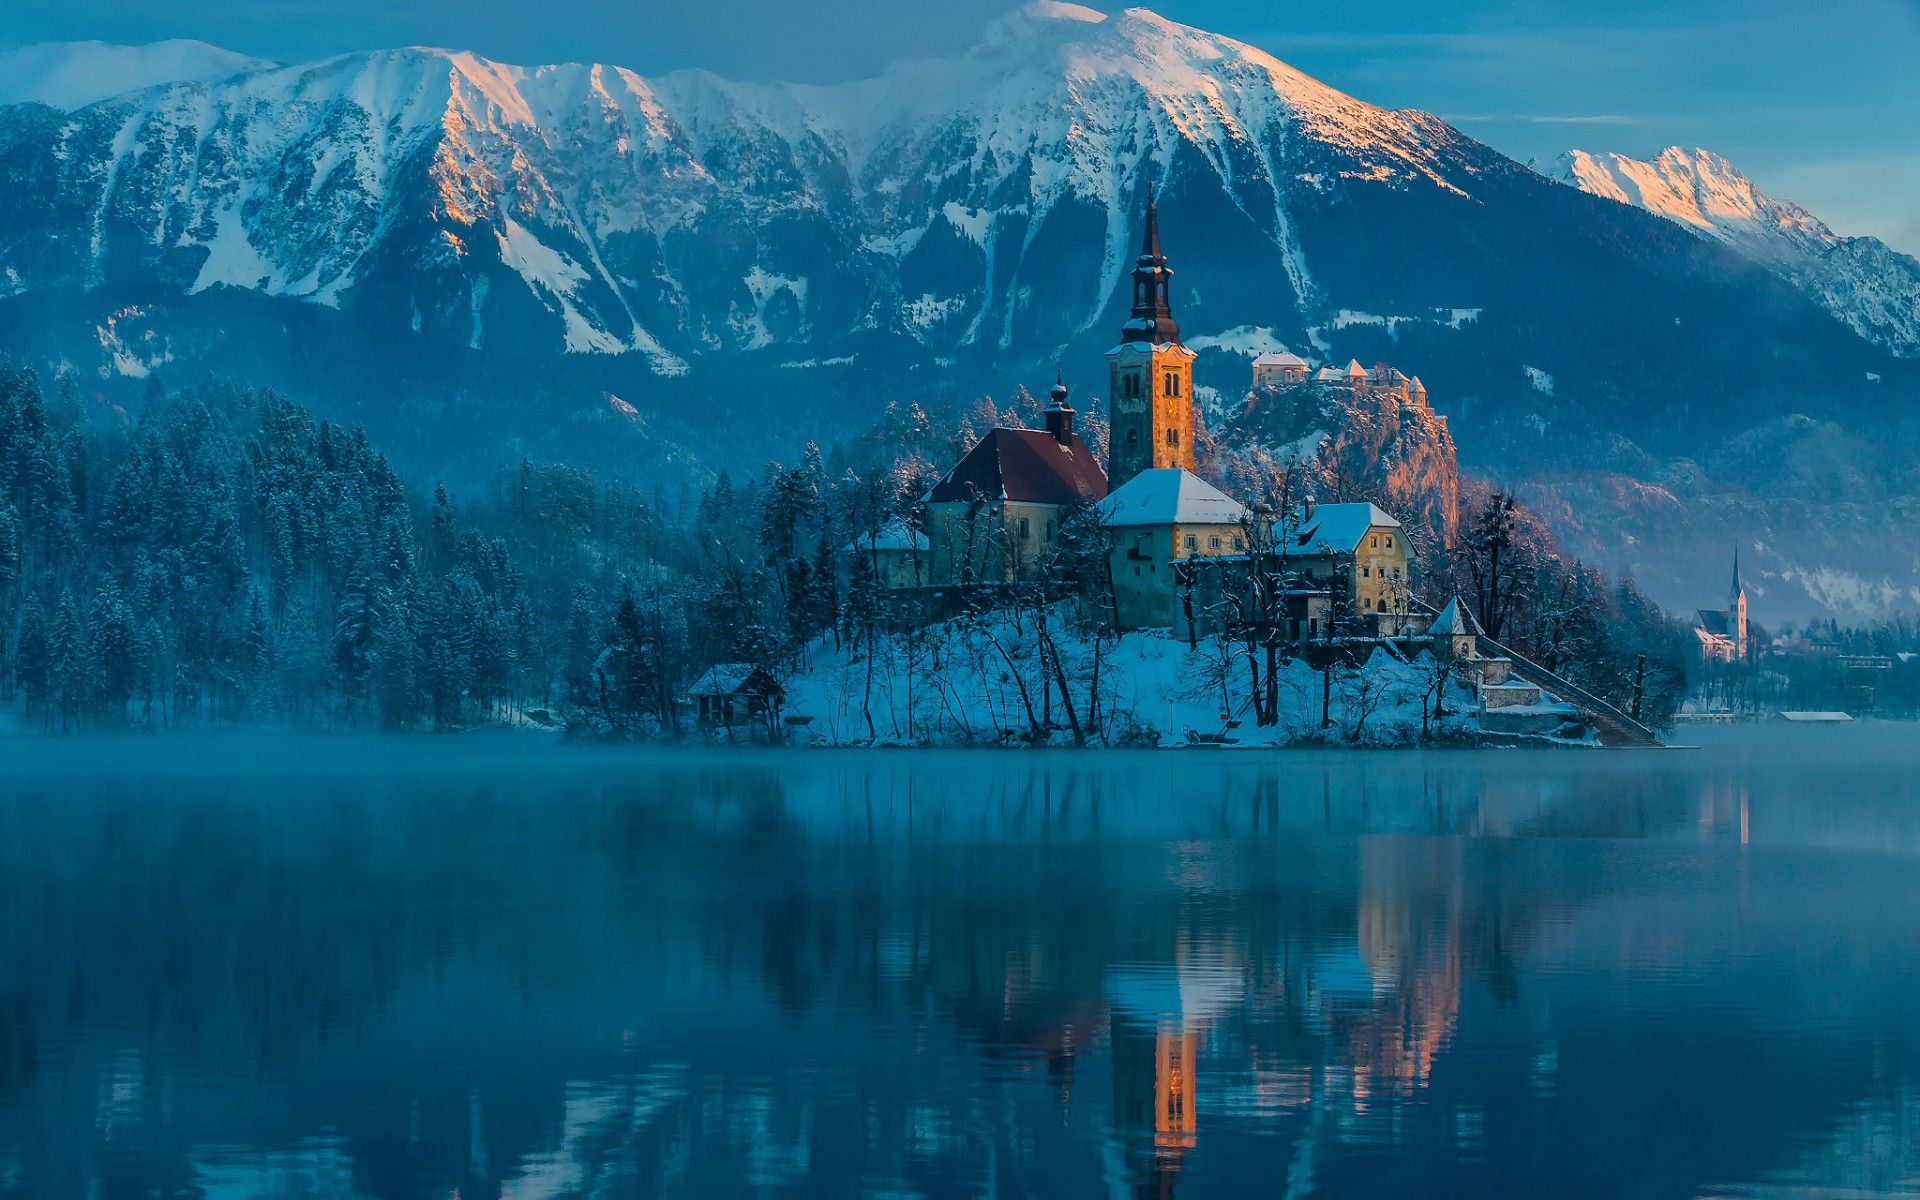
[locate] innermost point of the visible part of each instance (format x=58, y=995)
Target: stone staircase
x=1497, y=691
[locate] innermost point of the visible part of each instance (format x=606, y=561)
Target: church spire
x=1152, y=318
x=1739, y=589
x=1150, y=241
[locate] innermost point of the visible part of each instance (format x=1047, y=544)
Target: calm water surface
x=483, y=969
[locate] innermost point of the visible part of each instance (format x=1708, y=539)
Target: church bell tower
x=1737, y=611
x=1150, y=396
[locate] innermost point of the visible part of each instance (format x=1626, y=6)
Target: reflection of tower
x=1155, y=1068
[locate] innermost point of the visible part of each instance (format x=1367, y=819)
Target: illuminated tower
x=1737, y=611
x=1150, y=373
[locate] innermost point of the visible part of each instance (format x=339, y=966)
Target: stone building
x=1359, y=547
x=1155, y=520
x=1150, y=373
x=1279, y=370
x=996, y=514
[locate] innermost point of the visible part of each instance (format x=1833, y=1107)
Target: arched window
x=1133, y=437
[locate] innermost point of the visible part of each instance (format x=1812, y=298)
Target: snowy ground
x=975, y=683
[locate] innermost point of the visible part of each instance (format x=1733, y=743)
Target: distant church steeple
x=1150, y=397
x=1737, y=609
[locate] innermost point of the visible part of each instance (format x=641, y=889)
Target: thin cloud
x=1596, y=119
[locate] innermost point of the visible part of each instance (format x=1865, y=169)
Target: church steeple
x=1150, y=373
x=1737, y=609
x=1152, y=318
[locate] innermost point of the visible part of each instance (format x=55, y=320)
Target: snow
x=1241, y=339
x=950, y=685
x=1168, y=496
x=73, y=75
x=292, y=177
x=1541, y=381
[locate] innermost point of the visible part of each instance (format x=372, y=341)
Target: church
x=1725, y=635
x=996, y=516
x=999, y=511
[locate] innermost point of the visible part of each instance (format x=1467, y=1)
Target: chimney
x=1058, y=414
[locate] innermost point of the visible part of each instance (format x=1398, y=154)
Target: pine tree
x=68, y=663
x=33, y=661
x=111, y=644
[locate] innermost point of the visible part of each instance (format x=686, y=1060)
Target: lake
x=485, y=968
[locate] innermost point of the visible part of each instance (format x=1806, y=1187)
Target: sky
x=1817, y=100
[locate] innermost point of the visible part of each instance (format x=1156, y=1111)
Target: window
x=1173, y=437
x=1365, y=572
x=1050, y=531
x=1213, y=543
x=1193, y=542
x=1375, y=543
x=1133, y=437
x=1239, y=544
x=1023, y=529
x=1313, y=626
x=1389, y=541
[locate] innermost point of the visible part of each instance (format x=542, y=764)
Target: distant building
x=899, y=555
x=1383, y=381
x=1279, y=370
x=1150, y=373
x=1724, y=633
x=1153, y=521
x=1000, y=509
x=732, y=693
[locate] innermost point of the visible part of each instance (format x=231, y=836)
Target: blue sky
x=1818, y=101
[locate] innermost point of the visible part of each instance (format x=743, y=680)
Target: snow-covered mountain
x=575, y=261
x=1861, y=280
x=674, y=217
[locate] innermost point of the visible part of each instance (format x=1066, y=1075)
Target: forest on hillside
x=221, y=557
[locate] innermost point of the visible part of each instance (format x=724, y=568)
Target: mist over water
x=417, y=967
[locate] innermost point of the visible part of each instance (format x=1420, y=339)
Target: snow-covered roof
x=1168, y=496
x=1355, y=370
x=1341, y=526
x=1326, y=375
x=894, y=535
x=723, y=680
x=1271, y=359
x=1455, y=620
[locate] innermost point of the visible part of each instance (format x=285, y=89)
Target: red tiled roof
x=1024, y=465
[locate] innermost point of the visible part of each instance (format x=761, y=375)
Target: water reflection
x=361, y=971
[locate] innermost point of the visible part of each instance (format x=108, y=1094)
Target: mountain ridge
x=1864, y=282
x=468, y=255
